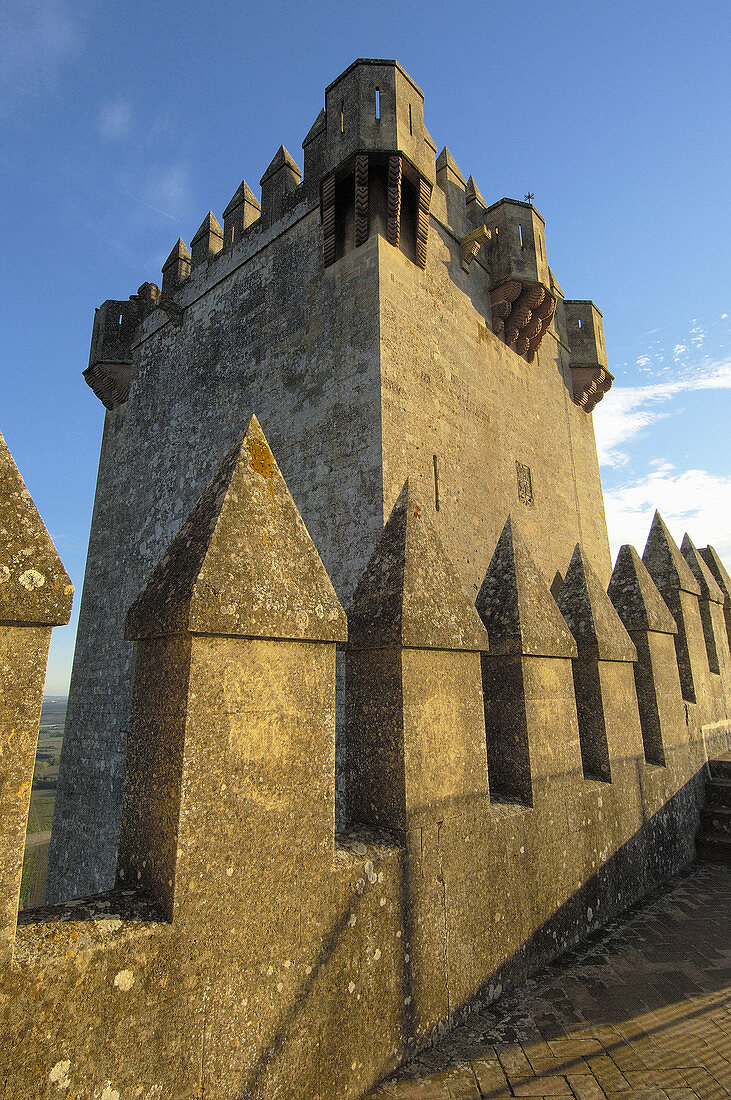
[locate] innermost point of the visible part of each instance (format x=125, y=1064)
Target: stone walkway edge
x=642, y=1011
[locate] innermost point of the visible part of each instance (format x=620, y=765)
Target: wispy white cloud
x=169, y=190
x=697, y=335
x=115, y=120
x=630, y=410
x=692, y=500
x=689, y=500
x=37, y=39
x=661, y=357
x=163, y=188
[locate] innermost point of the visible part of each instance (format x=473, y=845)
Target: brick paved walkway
x=641, y=1012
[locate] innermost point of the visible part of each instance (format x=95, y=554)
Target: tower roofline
x=375, y=61
x=518, y=202
x=586, y=302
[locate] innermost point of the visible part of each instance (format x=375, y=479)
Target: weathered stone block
x=412, y=679
x=651, y=627
x=603, y=647
x=35, y=594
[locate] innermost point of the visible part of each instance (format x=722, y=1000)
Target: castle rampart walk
x=641, y=1012
x=248, y=948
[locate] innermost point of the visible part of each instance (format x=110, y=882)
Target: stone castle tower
x=383, y=320
x=342, y=763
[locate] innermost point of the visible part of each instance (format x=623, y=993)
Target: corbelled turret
x=377, y=161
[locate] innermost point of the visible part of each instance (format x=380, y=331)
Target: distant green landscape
x=42, y=801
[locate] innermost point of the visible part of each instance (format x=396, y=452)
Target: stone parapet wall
x=248, y=948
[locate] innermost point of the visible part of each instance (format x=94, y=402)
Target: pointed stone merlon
x=448, y=173
x=242, y=211
x=474, y=202
x=526, y=673
x=35, y=595
x=648, y=621
x=279, y=182
x=414, y=738
x=451, y=181
x=606, y=701
x=313, y=147
x=723, y=580
x=176, y=269
x=590, y=375
x=239, y=622
x=207, y=242
x=681, y=591
x=111, y=362
x=710, y=604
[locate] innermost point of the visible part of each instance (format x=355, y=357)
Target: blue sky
x=122, y=124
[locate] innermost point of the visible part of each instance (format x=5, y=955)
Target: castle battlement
x=371, y=166
x=515, y=774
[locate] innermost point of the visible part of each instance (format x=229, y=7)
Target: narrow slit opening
x=435, y=463
x=411, y=122
x=378, y=105
x=647, y=702
x=506, y=730
x=709, y=636
x=592, y=727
